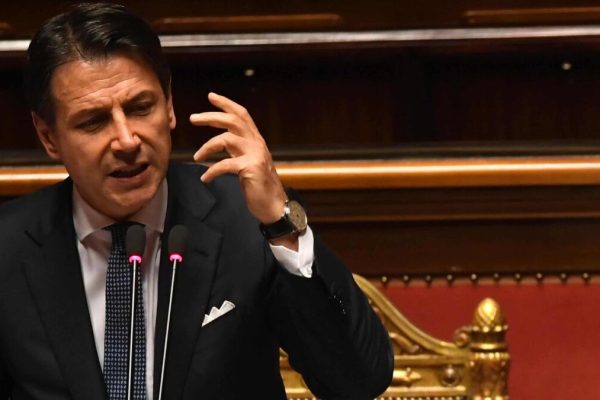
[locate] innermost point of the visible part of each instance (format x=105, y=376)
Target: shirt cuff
x=297, y=262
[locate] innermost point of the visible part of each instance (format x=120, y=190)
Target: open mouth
x=129, y=172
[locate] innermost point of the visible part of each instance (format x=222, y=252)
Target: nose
x=126, y=140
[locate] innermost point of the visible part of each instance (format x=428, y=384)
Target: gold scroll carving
x=475, y=366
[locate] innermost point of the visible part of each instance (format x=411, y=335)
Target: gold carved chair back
x=474, y=366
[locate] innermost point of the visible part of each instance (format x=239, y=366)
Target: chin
x=122, y=211
x=129, y=203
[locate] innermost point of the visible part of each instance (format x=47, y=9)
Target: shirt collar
x=88, y=220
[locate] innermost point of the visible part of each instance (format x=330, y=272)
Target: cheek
x=166, y=144
x=160, y=138
x=84, y=154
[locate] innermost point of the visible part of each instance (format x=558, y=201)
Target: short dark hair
x=88, y=31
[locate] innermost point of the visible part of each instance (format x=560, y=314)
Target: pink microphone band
x=176, y=257
x=135, y=258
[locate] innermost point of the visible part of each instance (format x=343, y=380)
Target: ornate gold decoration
x=450, y=376
x=490, y=360
x=405, y=377
x=474, y=367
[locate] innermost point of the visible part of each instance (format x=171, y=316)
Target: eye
x=143, y=108
x=92, y=124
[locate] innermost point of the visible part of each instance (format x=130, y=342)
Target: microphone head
x=135, y=242
x=177, y=241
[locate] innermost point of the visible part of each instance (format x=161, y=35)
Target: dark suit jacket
x=325, y=323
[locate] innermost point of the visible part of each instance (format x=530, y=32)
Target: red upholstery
x=554, y=330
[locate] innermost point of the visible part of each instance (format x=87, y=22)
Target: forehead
x=81, y=82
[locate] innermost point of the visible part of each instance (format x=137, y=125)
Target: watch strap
x=277, y=229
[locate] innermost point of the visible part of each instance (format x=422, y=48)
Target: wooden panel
x=442, y=173
x=27, y=15
x=460, y=218
x=384, y=175
x=22, y=180
x=533, y=16
x=453, y=204
x=463, y=248
x=511, y=88
x=6, y=30
x=241, y=23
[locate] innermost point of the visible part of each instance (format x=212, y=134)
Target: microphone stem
x=131, y=329
x=164, y=358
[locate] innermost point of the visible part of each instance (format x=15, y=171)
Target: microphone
x=135, y=242
x=177, y=242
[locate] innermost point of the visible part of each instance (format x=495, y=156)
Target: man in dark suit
x=99, y=90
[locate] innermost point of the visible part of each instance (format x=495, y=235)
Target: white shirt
x=94, y=245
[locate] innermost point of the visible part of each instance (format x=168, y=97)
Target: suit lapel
x=54, y=275
x=189, y=203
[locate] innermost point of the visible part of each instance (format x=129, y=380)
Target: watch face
x=297, y=216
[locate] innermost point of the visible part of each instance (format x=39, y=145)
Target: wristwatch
x=293, y=221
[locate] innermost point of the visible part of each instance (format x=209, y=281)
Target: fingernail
x=202, y=178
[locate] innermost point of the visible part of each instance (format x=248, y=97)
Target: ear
x=46, y=136
x=171, y=112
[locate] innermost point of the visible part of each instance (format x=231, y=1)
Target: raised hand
x=249, y=158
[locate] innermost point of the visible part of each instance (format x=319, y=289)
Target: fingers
x=230, y=106
x=226, y=104
x=225, y=166
x=235, y=118
x=234, y=145
x=248, y=167
x=219, y=120
x=250, y=158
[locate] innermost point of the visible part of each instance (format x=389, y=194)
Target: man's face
x=112, y=131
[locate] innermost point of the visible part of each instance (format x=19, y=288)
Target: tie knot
x=118, y=232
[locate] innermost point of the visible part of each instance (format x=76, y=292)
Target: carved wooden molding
x=484, y=172
x=532, y=16
x=391, y=38
x=393, y=174
x=17, y=181
x=239, y=23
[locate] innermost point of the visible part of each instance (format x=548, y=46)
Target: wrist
x=276, y=212
x=293, y=221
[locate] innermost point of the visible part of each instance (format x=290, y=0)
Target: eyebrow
x=141, y=96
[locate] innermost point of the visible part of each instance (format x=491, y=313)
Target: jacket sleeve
x=330, y=332
x=5, y=385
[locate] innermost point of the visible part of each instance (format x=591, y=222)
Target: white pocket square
x=218, y=312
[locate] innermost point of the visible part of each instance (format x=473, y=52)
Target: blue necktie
x=116, y=330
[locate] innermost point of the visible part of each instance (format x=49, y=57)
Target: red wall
x=554, y=330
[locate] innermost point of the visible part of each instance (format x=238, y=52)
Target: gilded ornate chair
x=474, y=367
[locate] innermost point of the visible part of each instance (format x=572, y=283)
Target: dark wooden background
x=458, y=79
x=25, y=16
x=512, y=94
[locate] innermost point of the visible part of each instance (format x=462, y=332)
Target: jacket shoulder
x=225, y=189
x=18, y=214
